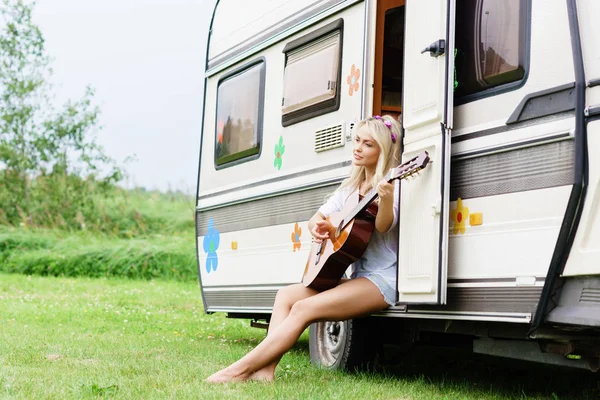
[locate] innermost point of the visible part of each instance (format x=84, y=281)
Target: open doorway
x=389, y=57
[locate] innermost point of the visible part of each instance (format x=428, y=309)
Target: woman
x=372, y=286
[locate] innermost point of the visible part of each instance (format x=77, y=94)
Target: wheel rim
x=331, y=339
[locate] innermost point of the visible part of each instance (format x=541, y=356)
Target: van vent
x=329, y=138
x=590, y=295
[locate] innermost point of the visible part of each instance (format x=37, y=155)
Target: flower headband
x=388, y=124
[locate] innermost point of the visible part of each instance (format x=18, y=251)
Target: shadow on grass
x=451, y=367
x=464, y=371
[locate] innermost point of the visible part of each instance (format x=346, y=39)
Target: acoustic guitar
x=350, y=232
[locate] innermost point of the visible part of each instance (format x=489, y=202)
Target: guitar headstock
x=409, y=167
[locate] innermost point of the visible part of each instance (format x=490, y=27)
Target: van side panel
x=252, y=216
x=512, y=175
x=584, y=258
x=589, y=13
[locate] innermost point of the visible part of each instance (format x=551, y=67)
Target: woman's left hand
x=385, y=190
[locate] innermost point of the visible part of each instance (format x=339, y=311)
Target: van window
x=238, y=131
x=490, y=44
x=312, y=74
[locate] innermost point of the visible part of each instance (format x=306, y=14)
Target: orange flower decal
x=220, y=127
x=459, y=217
x=353, y=79
x=296, y=237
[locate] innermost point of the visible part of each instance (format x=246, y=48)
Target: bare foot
x=262, y=376
x=226, y=375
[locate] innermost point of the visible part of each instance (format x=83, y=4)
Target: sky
x=145, y=59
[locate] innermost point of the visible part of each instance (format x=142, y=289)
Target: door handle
x=436, y=49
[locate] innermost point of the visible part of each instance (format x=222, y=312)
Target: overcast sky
x=145, y=58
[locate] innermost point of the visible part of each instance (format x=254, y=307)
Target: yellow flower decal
x=459, y=217
x=296, y=237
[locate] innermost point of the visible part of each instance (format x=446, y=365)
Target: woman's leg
x=353, y=298
x=285, y=299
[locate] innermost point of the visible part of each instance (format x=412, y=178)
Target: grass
x=140, y=212
x=111, y=338
x=59, y=253
x=133, y=234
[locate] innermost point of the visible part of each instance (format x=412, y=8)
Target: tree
x=36, y=139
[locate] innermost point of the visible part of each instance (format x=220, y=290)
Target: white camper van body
x=499, y=235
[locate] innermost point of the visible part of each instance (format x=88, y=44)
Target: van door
x=427, y=121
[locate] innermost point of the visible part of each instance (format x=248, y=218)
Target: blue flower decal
x=211, y=244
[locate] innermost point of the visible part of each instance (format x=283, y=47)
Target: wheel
x=347, y=345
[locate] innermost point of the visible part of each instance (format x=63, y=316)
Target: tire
x=347, y=345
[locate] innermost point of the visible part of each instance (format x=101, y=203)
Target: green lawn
x=107, y=338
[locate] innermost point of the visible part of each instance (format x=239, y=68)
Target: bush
x=71, y=203
x=46, y=253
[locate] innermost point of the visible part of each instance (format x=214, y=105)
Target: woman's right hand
x=321, y=230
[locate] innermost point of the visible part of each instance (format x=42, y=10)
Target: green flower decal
x=279, y=150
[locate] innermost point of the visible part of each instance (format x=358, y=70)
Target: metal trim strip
x=511, y=147
x=278, y=179
x=593, y=82
x=200, y=156
x=490, y=280
x=515, y=126
x=592, y=110
x=484, y=301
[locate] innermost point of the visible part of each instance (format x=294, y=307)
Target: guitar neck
x=408, y=168
x=362, y=205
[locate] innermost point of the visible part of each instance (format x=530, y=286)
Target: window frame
x=260, y=118
x=302, y=115
x=524, y=54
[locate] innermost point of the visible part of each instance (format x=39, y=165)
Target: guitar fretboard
x=408, y=168
x=363, y=204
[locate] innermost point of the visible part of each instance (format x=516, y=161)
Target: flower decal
x=279, y=150
x=220, y=127
x=296, y=237
x=211, y=244
x=459, y=217
x=353, y=79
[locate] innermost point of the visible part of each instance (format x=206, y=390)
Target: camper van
x=499, y=236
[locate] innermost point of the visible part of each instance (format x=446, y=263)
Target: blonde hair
x=381, y=129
